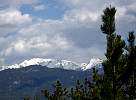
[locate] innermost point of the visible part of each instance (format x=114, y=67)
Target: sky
x=59, y=29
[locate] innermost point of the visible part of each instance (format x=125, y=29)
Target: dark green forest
x=119, y=79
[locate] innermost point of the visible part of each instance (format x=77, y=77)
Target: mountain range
x=55, y=63
x=30, y=76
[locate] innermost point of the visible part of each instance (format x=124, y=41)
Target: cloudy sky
x=61, y=29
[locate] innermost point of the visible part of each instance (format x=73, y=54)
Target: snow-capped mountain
x=55, y=63
x=31, y=76
x=94, y=62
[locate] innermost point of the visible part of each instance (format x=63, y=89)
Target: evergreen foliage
x=59, y=92
x=113, y=65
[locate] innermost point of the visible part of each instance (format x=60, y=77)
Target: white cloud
x=37, y=39
x=13, y=17
x=53, y=38
x=11, y=20
x=19, y=46
x=82, y=15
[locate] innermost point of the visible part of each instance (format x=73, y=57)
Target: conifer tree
x=108, y=27
x=129, y=77
x=132, y=64
x=59, y=92
x=114, y=54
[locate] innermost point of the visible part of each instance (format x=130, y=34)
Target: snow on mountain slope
x=55, y=63
x=50, y=63
x=93, y=63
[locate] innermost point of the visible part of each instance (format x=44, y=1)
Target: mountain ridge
x=55, y=63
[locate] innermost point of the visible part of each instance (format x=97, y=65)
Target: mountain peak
x=94, y=62
x=34, y=61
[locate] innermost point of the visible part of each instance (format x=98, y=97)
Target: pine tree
x=114, y=54
x=59, y=92
x=132, y=64
x=108, y=27
x=129, y=77
x=88, y=90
